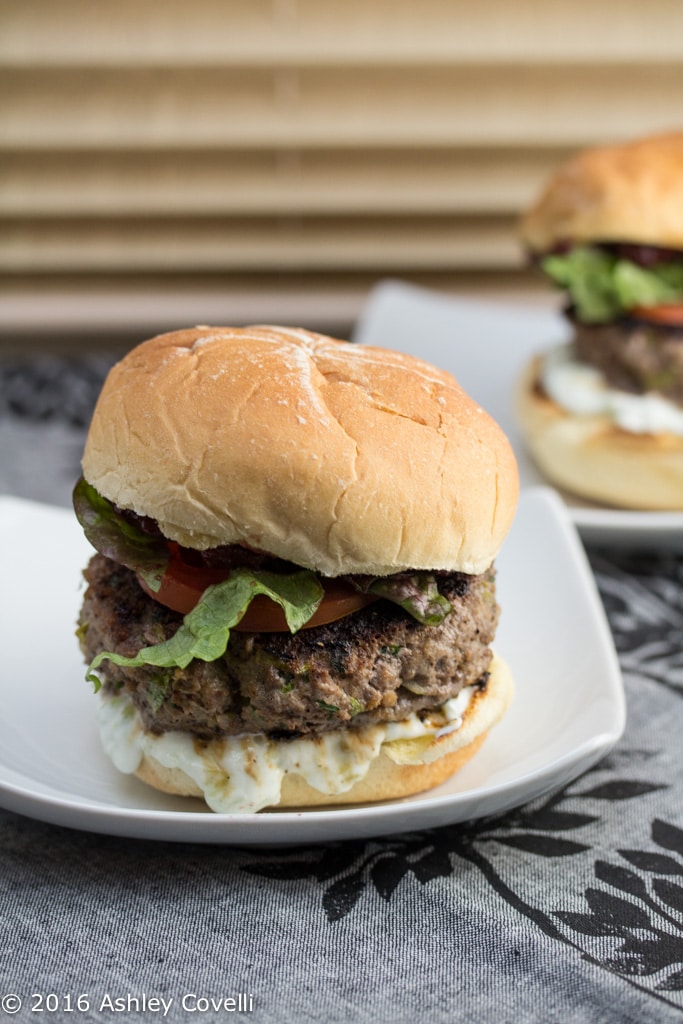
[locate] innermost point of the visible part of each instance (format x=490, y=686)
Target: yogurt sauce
x=242, y=774
x=582, y=390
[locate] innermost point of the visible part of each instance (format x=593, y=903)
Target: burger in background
x=603, y=415
x=293, y=597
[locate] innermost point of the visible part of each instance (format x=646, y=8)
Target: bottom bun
x=385, y=780
x=247, y=773
x=595, y=459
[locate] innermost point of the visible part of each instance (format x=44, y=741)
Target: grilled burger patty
x=377, y=665
x=634, y=355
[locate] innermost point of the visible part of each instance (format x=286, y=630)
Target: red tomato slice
x=669, y=314
x=182, y=586
x=265, y=616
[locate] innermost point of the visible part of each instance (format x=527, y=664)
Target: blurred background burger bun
x=629, y=192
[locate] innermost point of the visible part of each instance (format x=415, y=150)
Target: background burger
x=603, y=415
x=293, y=598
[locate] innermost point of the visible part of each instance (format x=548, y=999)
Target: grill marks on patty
x=377, y=665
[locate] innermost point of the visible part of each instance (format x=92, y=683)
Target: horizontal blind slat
x=363, y=243
x=400, y=182
x=175, y=31
x=416, y=59
x=456, y=106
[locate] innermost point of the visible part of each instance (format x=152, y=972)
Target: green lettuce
x=205, y=631
x=417, y=593
x=112, y=535
x=603, y=286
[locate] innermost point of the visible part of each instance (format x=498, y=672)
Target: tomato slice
x=669, y=314
x=265, y=616
x=183, y=585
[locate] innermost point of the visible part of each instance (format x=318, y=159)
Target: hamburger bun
x=592, y=457
x=629, y=192
x=337, y=457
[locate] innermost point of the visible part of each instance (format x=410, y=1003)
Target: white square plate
x=568, y=711
x=486, y=346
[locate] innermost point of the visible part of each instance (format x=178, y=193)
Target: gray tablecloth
x=569, y=909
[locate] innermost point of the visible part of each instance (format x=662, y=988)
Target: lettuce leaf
x=417, y=593
x=112, y=535
x=205, y=631
x=603, y=286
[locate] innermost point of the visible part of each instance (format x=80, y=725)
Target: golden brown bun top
x=338, y=457
x=631, y=192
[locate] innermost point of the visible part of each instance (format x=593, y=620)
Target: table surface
x=569, y=909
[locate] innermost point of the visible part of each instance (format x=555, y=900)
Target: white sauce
x=582, y=390
x=242, y=774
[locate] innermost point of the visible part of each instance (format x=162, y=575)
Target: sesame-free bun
x=402, y=768
x=631, y=192
x=595, y=459
x=337, y=457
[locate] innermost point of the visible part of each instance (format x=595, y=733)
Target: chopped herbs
x=393, y=649
x=355, y=707
x=157, y=690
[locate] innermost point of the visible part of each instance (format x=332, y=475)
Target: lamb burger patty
x=376, y=665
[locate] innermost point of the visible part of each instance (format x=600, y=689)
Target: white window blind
x=281, y=155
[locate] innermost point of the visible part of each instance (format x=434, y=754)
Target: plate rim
x=317, y=820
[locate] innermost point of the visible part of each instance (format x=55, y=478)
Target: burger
x=603, y=414
x=292, y=599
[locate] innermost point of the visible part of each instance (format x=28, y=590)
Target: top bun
x=338, y=457
x=624, y=193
